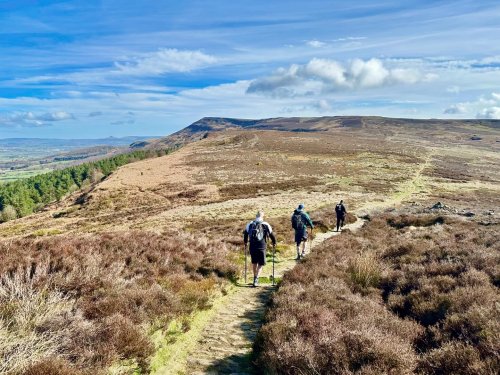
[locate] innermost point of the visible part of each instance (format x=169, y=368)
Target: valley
x=27, y=157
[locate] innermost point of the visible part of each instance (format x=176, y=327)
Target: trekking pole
x=274, y=252
x=311, y=243
x=245, y=263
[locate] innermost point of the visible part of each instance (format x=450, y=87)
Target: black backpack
x=297, y=222
x=339, y=210
x=256, y=232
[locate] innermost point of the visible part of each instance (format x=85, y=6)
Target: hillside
x=133, y=273
x=365, y=164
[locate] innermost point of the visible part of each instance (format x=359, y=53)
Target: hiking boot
x=255, y=281
x=298, y=257
x=303, y=254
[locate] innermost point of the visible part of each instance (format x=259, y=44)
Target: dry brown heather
x=406, y=294
x=72, y=304
x=85, y=281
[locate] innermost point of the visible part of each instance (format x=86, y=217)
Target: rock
x=438, y=206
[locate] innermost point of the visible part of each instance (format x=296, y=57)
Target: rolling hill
x=485, y=130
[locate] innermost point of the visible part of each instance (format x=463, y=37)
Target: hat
x=300, y=207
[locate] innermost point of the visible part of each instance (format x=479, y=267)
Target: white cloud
x=165, y=61
x=323, y=106
x=315, y=43
x=456, y=109
x=486, y=107
x=30, y=116
x=350, y=38
x=55, y=116
x=453, y=90
x=34, y=119
x=123, y=122
x=331, y=75
x=492, y=113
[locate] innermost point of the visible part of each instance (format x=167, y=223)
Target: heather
x=81, y=304
x=406, y=294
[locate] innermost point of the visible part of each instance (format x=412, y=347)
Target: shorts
x=258, y=256
x=300, y=237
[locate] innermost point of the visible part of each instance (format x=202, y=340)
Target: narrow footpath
x=225, y=344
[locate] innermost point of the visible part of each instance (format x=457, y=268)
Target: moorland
x=107, y=275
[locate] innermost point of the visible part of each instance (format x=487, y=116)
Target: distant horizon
x=89, y=139
x=241, y=118
x=120, y=68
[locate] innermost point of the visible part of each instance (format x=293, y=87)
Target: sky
x=98, y=68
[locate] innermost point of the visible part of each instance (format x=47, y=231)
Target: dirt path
x=225, y=345
x=412, y=187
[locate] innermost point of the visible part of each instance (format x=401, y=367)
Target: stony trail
x=225, y=344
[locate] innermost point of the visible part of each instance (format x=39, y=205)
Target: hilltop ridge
x=207, y=125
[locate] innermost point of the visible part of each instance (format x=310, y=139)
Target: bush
x=364, y=272
x=51, y=366
x=8, y=213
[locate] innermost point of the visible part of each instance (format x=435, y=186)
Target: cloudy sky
x=95, y=68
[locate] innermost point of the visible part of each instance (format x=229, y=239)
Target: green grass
x=9, y=175
x=174, y=345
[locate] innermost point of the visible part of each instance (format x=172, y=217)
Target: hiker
x=258, y=231
x=300, y=222
x=341, y=212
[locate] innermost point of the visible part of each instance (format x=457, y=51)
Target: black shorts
x=258, y=256
x=300, y=237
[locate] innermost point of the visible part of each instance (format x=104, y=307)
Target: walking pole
x=245, y=263
x=311, y=243
x=274, y=252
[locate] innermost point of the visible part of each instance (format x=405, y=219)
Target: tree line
x=25, y=196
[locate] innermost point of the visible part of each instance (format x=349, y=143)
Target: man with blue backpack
x=300, y=222
x=257, y=232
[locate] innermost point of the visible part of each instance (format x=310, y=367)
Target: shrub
x=51, y=366
x=364, y=271
x=452, y=358
x=24, y=310
x=8, y=213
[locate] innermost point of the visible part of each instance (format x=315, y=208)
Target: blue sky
x=95, y=68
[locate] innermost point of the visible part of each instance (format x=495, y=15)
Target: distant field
x=27, y=157
x=16, y=175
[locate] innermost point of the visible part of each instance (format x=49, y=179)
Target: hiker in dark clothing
x=300, y=222
x=257, y=232
x=341, y=212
